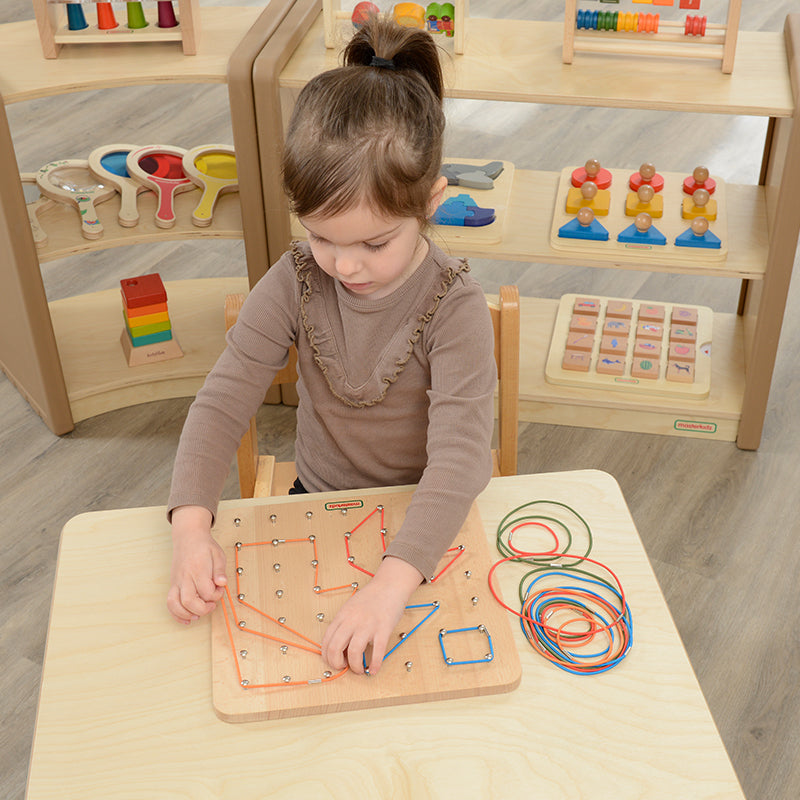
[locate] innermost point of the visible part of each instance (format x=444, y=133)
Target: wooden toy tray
x=290, y=575
x=498, y=198
x=592, y=379
x=671, y=224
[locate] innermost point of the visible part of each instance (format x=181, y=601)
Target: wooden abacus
x=54, y=30
x=333, y=15
x=647, y=34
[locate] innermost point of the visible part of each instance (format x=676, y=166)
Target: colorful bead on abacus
x=695, y=26
x=592, y=171
x=699, y=179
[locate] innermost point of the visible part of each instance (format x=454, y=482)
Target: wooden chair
x=262, y=476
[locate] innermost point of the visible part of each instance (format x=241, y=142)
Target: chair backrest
x=505, y=320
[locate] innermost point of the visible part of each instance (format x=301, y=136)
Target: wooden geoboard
x=290, y=568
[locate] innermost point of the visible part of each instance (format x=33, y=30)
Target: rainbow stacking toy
x=147, y=336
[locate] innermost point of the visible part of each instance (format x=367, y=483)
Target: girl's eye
x=314, y=238
x=373, y=248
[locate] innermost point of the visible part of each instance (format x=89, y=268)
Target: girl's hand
x=198, y=565
x=369, y=617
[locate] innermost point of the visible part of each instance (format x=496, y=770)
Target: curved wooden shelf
x=96, y=373
x=25, y=74
x=61, y=224
x=522, y=63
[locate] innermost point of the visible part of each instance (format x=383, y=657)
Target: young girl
x=394, y=340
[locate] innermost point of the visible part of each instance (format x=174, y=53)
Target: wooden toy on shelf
x=698, y=235
x=642, y=232
x=159, y=167
x=587, y=195
x=212, y=167
x=462, y=210
x=38, y=203
x=592, y=171
x=108, y=165
x=645, y=34
x=644, y=199
x=58, y=27
x=584, y=226
x=700, y=204
x=147, y=336
x=472, y=176
x=70, y=181
x=699, y=179
x=437, y=18
x=646, y=175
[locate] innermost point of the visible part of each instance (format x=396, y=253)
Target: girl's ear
x=437, y=193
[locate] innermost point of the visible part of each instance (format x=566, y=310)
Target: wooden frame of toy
x=65, y=22
x=437, y=18
x=645, y=33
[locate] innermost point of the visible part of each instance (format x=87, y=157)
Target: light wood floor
x=720, y=525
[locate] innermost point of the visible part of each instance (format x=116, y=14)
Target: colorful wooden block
x=681, y=351
x=574, y=229
x=582, y=197
x=619, y=309
x=616, y=327
x=592, y=171
x=587, y=306
x=614, y=345
x=651, y=312
x=649, y=330
x=690, y=208
x=680, y=372
x=689, y=238
x=153, y=338
x=682, y=333
x=142, y=331
x=646, y=368
x=577, y=361
x=609, y=365
x=646, y=176
x=580, y=341
x=645, y=237
x=143, y=290
x=137, y=320
x=683, y=315
x=582, y=323
x=647, y=348
x=634, y=206
x=141, y=311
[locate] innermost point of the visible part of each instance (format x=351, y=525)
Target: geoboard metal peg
x=287, y=678
x=327, y=674
x=282, y=620
x=309, y=514
x=237, y=522
x=317, y=589
x=467, y=574
x=409, y=664
x=276, y=567
x=284, y=649
x=240, y=596
x=245, y=682
x=279, y=593
x=314, y=562
x=320, y=616
x=312, y=538
x=243, y=653
x=475, y=600
x=238, y=545
x=273, y=518
x=242, y=623
x=239, y=570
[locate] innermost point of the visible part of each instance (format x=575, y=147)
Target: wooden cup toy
x=159, y=167
x=70, y=182
x=212, y=167
x=108, y=164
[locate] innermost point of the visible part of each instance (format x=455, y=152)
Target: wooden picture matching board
x=278, y=578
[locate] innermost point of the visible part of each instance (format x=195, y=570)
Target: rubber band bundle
x=573, y=609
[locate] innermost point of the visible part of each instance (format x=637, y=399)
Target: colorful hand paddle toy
x=160, y=167
x=108, y=164
x=70, y=182
x=213, y=168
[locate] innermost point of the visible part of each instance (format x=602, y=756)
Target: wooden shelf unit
x=520, y=61
x=65, y=357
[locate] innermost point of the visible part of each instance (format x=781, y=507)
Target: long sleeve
x=257, y=348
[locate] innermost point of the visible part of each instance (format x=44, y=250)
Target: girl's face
x=369, y=254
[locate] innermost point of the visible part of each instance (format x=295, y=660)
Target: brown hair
x=369, y=133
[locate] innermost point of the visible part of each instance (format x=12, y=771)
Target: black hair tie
x=382, y=63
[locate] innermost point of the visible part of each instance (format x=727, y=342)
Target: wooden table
x=125, y=706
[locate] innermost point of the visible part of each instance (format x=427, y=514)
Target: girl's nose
x=346, y=264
